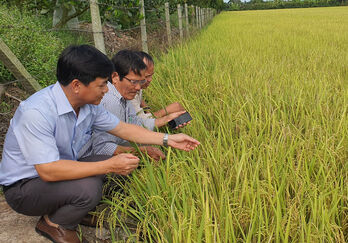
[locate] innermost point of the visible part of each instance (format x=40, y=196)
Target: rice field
x=268, y=93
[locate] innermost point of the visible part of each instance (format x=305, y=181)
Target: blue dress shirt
x=44, y=129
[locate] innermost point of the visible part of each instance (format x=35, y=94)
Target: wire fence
x=35, y=43
x=152, y=30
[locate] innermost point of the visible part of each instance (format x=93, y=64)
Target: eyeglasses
x=135, y=82
x=149, y=76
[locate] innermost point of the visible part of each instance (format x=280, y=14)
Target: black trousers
x=65, y=202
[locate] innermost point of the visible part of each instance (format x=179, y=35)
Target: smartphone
x=186, y=117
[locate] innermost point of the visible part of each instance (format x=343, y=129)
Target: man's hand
x=174, y=107
x=159, y=122
x=182, y=125
x=182, y=141
x=123, y=164
x=174, y=115
x=153, y=152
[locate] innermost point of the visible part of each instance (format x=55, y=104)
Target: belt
x=5, y=188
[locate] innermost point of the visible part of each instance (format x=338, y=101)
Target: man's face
x=150, y=70
x=125, y=87
x=94, y=92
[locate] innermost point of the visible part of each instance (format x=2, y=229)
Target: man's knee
x=89, y=190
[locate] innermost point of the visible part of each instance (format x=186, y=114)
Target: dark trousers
x=65, y=202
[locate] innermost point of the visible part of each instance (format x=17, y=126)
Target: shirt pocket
x=86, y=136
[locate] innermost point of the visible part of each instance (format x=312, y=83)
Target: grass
x=268, y=91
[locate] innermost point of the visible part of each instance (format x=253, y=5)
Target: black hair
x=144, y=55
x=125, y=61
x=83, y=62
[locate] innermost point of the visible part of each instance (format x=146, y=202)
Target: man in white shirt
x=140, y=106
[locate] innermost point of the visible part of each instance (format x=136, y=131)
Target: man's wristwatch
x=165, y=140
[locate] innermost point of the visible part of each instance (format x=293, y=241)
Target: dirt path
x=18, y=228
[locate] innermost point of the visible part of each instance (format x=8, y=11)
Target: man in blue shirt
x=39, y=171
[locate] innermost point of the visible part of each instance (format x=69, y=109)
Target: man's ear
x=75, y=86
x=115, y=77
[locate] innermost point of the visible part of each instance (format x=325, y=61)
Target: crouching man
x=39, y=171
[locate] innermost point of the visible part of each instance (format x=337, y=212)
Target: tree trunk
x=63, y=15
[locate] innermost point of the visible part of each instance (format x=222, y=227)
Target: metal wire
x=132, y=28
x=109, y=5
x=11, y=82
x=73, y=29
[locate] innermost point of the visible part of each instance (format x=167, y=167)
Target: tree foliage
x=122, y=14
x=36, y=48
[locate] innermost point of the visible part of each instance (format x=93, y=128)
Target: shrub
x=37, y=48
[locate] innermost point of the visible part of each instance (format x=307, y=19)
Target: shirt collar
x=62, y=102
x=114, y=91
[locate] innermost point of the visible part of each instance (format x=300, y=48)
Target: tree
x=68, y=10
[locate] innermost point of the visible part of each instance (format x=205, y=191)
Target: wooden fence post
x=187, y=20
x=201, y=16
x=12, y=63
x=143, y=28
x=169, y=32
x=197, y=17
x=96, y=26
x=180, y=22
x=193, y=9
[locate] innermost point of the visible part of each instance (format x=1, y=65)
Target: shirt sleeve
x=106, y=144
x=136, y=102
x=136, y=105
x=105, y=120
x=148, y=123
x=35, y=137
x=144, y=115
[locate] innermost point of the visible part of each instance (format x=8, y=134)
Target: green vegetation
x=122, y=14
x=37, y=48
x=26, y=27
x=268, y=91
x=4, y=107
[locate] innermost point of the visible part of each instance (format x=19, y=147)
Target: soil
x=18, y=228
